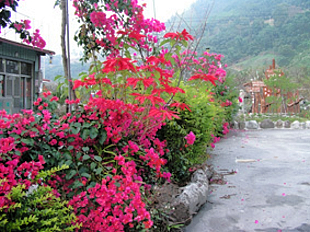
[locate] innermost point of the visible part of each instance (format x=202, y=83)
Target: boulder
x=279, y=124
x=236, y=125
x=251, y=124
x=267, y=123
x=241, y=125
x=287, y=124
x=193, y=196
x=302, y=125
x=295, y=125
x=308, y=124
x=209, y=171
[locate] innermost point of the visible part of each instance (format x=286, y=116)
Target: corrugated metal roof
x=42, y=51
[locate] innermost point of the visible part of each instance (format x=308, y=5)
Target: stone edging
x=185, y=202
x=269, y=124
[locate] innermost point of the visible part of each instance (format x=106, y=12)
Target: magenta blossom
x=190, y=138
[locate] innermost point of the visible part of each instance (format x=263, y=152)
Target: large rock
x=236, y=125
x=287, y=124
x=308, y=124
x=267, y=123
x=241, y=125
x=302, y=125
x=279, y=124
x=295, y=125
x=251, y=124
x=192, y=197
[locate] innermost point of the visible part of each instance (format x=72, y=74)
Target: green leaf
x=75, y=130
x=77, y=124
x=93, y=132
x=84, y=169
x=68, y=162
x=91, y=185
x=88, y=176
x=86, y=125
x=67, y=156
x=98, y=170
x=127, y=54
x=164, y=42
x=29, y=142
x=71, y=174
x=77, y=184
x=78, y=155
x=86, y=157
x=117, y=184
x=18, y=153
x=93, y=165
x=57, y=77
x=70, y=148
x=70, y=140
x=85, y=134
x=86, y=149
x=98, y=158
x=103, y=137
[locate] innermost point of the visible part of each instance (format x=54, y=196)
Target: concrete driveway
x=270, y=190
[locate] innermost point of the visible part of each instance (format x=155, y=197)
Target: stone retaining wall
x=269, y=124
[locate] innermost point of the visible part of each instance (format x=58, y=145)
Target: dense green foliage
x=205, y=119
x=37, y=208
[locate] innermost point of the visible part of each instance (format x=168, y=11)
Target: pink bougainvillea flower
x=240, y=99
x=18, y=26
x=27, y=24
x=55, y=98
x=167, y=176
x=190, y=138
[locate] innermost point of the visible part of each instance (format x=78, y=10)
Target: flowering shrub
x=206, y=117
x=26, y=202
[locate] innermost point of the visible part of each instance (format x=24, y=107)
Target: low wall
x=269, y=124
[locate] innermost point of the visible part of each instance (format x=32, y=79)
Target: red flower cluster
x=184, y=35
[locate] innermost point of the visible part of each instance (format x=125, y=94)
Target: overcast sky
x=46, y=18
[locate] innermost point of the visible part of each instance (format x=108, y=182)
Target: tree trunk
x=63, y=37
x=65, y=59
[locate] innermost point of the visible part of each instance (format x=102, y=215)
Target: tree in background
x=280, y=85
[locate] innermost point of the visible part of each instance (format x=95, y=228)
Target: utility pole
x=68, y=56
x=154, y=9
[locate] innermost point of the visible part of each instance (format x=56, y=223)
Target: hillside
x=250, y=32
x=55, y=68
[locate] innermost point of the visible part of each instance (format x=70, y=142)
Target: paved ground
x=271, y=189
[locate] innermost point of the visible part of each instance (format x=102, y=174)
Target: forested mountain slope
x=252, y=32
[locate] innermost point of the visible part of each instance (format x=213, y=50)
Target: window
x=16, y=84
x=28, y=93
x=1, y=65
x=26, y=69
x=9, y=87
x=2, y=85
x=12, y=66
